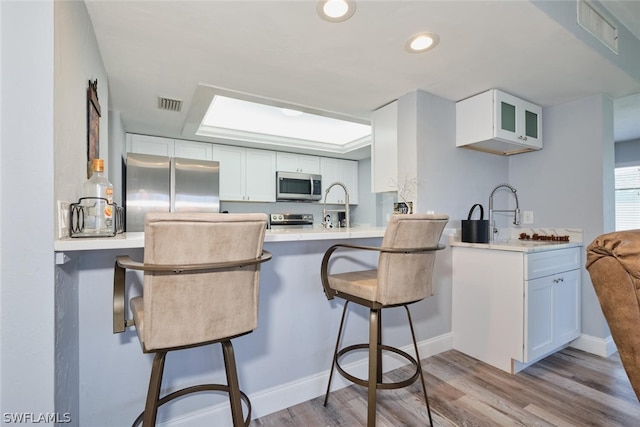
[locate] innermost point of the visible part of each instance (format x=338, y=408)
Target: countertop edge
x=516, y=246
x=136, y=240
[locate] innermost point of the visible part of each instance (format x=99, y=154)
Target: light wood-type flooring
x=569, y=388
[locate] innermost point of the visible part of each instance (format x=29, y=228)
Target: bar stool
x=403, y=277
x=201, y=283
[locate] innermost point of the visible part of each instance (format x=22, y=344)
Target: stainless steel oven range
x=287, y=221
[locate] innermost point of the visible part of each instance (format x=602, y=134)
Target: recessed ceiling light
x=336, y=10
x=421, y=42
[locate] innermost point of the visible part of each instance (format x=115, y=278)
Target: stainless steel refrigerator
x=168, y=184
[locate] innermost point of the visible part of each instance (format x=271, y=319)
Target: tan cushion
x=362, y=284
x=197, y=307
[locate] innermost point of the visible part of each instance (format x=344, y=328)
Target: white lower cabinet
x=511, y=308
x=245, y=174
x=552, y=313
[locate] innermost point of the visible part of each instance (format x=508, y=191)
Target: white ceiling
x=282, y=51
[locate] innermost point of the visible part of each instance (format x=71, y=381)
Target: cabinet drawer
x=546, y=263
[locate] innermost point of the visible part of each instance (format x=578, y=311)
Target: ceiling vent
x=169, y=104
x=592, y=21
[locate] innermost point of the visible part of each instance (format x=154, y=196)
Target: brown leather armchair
x=613, y=262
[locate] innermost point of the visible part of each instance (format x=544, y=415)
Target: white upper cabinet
x=159, y=146
x=384, y=148
x=233, y=181
x=338, y=170
x=291, y=162
x=193, y=150
x=261, y=175
x=145, y=144
x=498, y=123
x=245, y=174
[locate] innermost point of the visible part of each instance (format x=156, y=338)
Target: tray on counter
x=77, y=214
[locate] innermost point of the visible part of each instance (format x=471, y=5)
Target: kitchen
x=573, y=136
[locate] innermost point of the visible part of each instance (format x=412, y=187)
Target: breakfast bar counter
x=285, y=361
x=136, y=239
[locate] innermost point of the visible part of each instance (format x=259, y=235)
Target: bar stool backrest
x=408, y=277
x=192, y=308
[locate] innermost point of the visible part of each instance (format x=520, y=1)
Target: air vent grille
x=597, y=25
x=169, y=104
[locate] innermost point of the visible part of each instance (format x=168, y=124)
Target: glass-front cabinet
x=498, y=123
x=517, y=120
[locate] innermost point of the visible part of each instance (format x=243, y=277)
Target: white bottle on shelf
x=98, y=205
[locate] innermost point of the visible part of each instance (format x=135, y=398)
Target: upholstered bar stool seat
x=403, y=276
x=201, y=283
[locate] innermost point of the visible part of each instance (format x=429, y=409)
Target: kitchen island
x=516, y=301
x=285, y=361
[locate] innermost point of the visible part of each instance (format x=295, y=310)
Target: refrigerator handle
x=172, y=185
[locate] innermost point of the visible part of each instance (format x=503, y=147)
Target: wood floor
x=569, y=388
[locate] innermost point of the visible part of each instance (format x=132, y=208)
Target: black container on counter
x=475, y=230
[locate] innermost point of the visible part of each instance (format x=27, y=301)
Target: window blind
x=627, y=192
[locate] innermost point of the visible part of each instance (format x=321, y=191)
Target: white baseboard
x=603, y=347
x=286, y=395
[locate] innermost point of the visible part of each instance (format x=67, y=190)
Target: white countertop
x=509, y=240
x=136, y=240
x=518, y=245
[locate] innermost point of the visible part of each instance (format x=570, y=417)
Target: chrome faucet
x=516, y=211
x=346, y=204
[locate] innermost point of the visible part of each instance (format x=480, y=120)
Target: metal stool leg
x=232, y=381
x=415, y=346
x=374, y=365
x=153, y=395
x=335, y=352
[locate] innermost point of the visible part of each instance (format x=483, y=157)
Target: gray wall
x=569, y=183
x=26, y=220
x=77, y=60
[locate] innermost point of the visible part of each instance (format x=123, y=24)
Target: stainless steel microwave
x=296, y=186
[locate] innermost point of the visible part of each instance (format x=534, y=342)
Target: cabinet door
x=287, y=162
x=539, y=313
x=145, y=144
x=384, y=147
x=518, y=120
x=567, y=307
x=338, y=170
x=552, y=306
x=309, y=164
x=291, y=162
x=232, y=172
x=261, y=176
x=193, y=150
